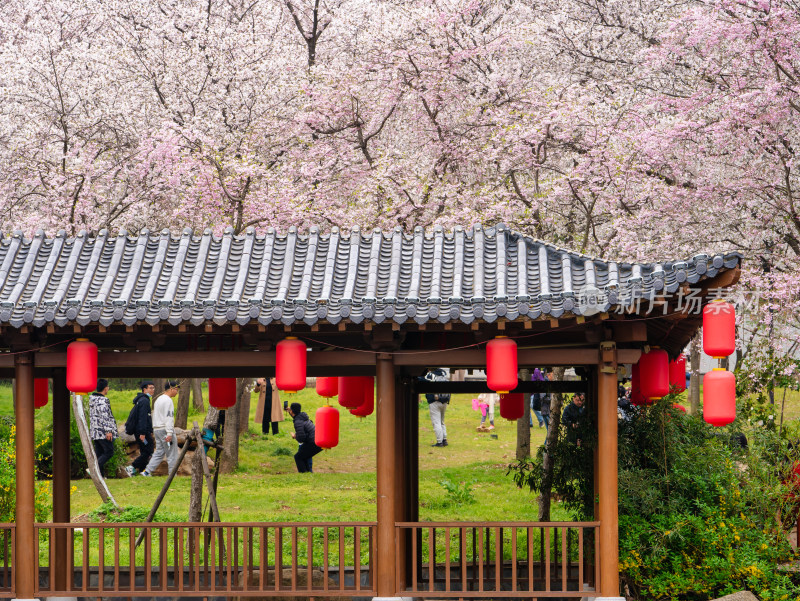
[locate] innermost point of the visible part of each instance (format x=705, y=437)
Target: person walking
x=486, y=403
x=164, y=430
x=573, y=416
x=546, y=398
x=140, y=425
x=437, y=405
x=102, y=425
x=304, y=433
x=269, y=400
x=536, y=399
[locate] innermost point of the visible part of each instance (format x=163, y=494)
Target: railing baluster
x=131, y=558
x=177, y=545
x=325, y=563
x=231, y=558
x=310, y=549
x=101, y=549
x=597, y=582
x=580, y=559
x=341, y=558
x=294, y=558
x=546, y=558
x=564, y=552
x=463, y=558
x=414, y=586
x=431, y=558
x=278, y=557
x=480, y=560
x=530, y=558
x=447, y=559
x=198, y=582
x=247, y=554
x=85, y=560
x=263, y=559
x=498, y=558
x=116, y=559
x=357, y=558
x=514, y=559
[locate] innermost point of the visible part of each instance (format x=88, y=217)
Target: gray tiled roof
x=464, y=275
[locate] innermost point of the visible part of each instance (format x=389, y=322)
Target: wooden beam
x=479, y=386
x=254, y=360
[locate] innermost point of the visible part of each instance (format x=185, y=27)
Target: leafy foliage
x=458, y=493
x=8, y=474
x=700, y=514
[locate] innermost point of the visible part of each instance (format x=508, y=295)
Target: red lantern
x=290, y=365
x=501, y=364
x=327, y=387
x=81, y=366
x=368, y=405
x=351, y=392
x=637, y=398
x=654, y=374
x=222, y=392
x=719, y=397
x=679, y=407
x=512, y=405
x=719, y=329
x=326, y=433
x=40, y=392
x=677, y=375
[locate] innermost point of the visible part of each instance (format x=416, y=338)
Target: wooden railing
x=199, y=559
x=7, y=546
x=497, y=559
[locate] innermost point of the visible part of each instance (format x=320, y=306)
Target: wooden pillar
x=26, y=548
x=387, y=490
x=61, y=475
x=607, y=471
x=401, y=474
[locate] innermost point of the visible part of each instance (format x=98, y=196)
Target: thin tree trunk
x=196, y=491
x=182, y=411
x=524, y=424
x=694, y=381
x=88, y=450
x=244, y=406
x=556, y=400
x=159, y=385
x=197, y=395
x=230, y=438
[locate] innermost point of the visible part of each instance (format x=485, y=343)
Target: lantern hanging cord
x=41, y=348
x=465, y=346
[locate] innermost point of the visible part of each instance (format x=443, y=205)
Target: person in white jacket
x=164, y=429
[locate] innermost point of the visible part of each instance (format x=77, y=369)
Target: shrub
x=700, y=515
x=8, y=481
x=458, y=493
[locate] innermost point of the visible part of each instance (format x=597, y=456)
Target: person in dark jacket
x=304, y=432
x=143, y=428
x=572, y=417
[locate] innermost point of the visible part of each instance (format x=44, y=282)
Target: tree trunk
x=244, y=405
x=230, y=437
x=556, y=400
x=88, y=450
x=196, y=491
x=524, y=424
x=159, y=385
x=197, y=395
x=694, y=381
x=182, y=411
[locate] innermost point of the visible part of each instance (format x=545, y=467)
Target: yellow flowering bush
x=8, y=470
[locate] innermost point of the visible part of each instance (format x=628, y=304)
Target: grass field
x=267, y=487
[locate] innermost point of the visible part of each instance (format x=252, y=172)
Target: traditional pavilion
x=381, y=303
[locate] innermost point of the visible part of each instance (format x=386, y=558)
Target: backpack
x=133, y=417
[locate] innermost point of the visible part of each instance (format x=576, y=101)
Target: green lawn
x=267, y=486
